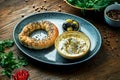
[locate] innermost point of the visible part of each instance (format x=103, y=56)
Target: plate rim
x=51, y=63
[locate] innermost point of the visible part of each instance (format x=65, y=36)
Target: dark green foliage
x=95, y=4
x=5, y=44
x=7, y=60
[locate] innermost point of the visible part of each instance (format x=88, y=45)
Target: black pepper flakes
x=107, y=44
x=41, y=7
x=108, y=40
x=59, y=10
x=114, y=14
x=64, y=0
x=105, y=37
x=45, y=1
x=36, y=9
x=45, y=8
x=117, y=55
x=22, y=15
x=112, y=48
x=117, y=40
x=26, y=0
x=33, y=6
x=59, y=6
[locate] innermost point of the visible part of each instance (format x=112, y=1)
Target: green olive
x=66, y=25
x=69, y=29
x=69, y=20
x=76, y=23
x=70, y=25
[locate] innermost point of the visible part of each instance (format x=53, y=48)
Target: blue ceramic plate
x=50, y=55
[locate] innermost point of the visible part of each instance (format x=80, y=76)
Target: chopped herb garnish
x=7, y=60
x=5, y=44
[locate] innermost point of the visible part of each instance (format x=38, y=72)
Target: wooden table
x=103, y=66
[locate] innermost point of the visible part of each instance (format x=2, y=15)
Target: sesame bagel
x=49, y=27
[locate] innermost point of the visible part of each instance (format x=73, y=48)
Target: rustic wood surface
x=104, y=66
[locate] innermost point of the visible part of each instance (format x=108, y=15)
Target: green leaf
x=10, y=54
x=1, y=48
x=3, y=72
x=7, y=60
x=22, y=61
x=71, y=1
x=96, y=4
x=8, y=43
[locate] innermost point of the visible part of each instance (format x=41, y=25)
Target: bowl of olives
x=70, y=25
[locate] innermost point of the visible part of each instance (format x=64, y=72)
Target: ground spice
x=114, y=14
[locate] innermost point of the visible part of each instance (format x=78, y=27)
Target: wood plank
x=104, y=66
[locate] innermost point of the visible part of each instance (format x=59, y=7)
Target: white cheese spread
x=72, y=46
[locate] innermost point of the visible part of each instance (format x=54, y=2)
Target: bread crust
x=33, y=43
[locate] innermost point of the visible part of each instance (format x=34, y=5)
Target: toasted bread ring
x=26, y=40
